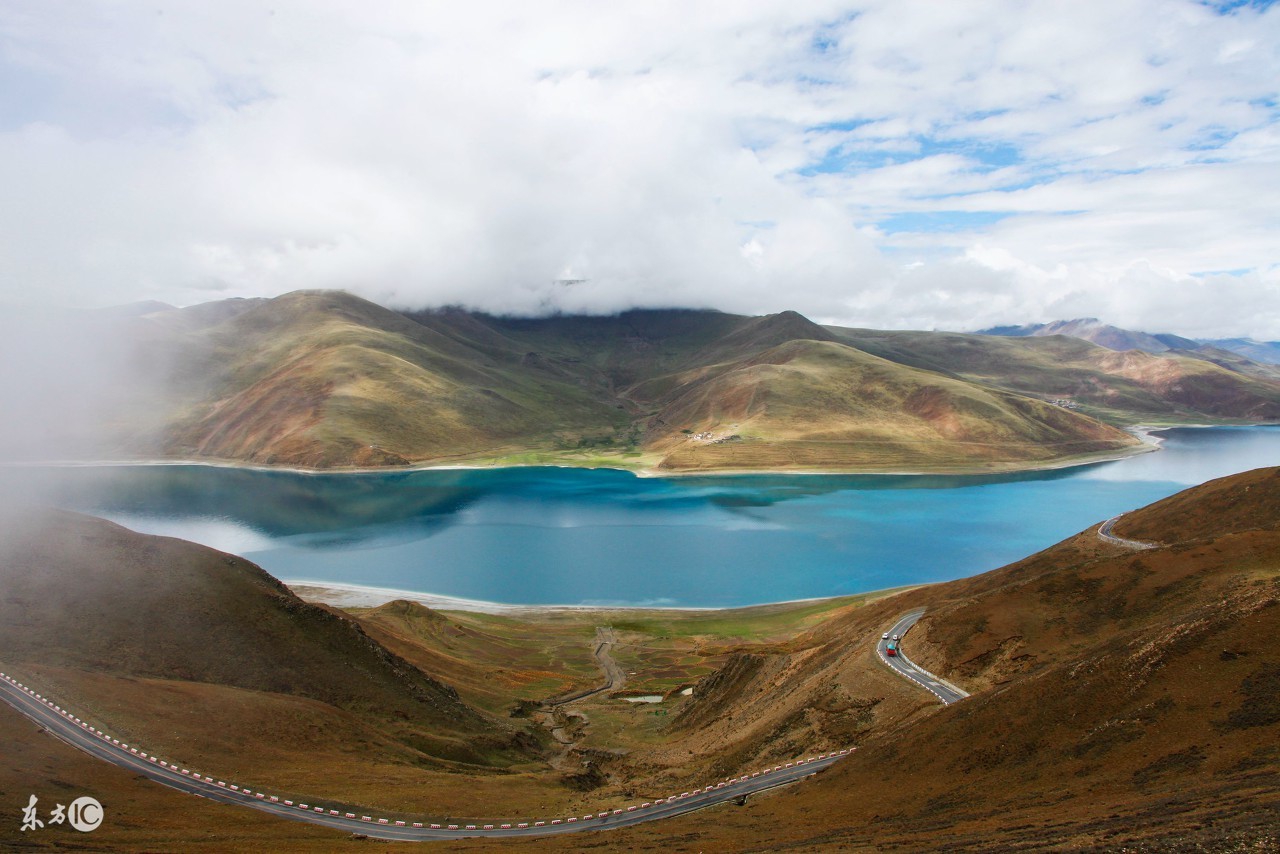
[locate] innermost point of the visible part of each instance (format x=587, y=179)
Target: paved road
x=903, y=666
x=1104, y=533
x=71, y=729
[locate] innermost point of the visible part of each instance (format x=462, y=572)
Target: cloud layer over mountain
x=903, y=164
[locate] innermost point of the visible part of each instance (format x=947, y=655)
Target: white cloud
x=666, y=152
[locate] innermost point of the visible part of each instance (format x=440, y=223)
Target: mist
x=78, y=386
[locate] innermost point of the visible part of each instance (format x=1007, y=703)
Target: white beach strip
x=1149, y=443
x=1147, y=433
x=341, y=595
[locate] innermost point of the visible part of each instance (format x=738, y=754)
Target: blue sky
x=897, y=163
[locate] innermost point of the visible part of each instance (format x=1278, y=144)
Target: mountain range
x=326, y=379
x=1115, y=338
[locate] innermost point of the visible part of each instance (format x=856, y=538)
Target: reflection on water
x=547, y=535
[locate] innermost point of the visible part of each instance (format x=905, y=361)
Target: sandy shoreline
x=1142, y=432
x=342, y=595
x=1146, y=433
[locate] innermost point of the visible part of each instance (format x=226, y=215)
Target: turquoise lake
x=571, y=536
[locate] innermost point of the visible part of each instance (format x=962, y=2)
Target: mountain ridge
x=325, y=379
x=489, y=385
x=1116, y=338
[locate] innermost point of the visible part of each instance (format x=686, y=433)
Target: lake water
x=570, y=536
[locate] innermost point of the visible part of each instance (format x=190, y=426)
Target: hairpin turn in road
x=891, y=654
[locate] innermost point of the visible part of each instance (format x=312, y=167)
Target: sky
x=898, y=164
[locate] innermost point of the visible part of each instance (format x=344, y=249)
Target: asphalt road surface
x=903, y=666
x=1104, y=533
x=71, y=729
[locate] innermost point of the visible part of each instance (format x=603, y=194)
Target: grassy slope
x=325, y=379
x=620, y=351
x=801, y=398
x=496, y=660
x=493, y=660
x=140, y=815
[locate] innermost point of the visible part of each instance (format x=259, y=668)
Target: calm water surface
x=569, y=536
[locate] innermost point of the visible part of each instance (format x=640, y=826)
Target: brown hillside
x=1228, y=505
x=85, y=595
x=324, y=379
x=814, y=403
x=490, y=670
x=1196, y=384
x=1122, y=387
x=1118, y=696
x=763, y=333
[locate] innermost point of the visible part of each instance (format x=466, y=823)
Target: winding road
x=904, y=667
x=79, y=733
x=1104, y=533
